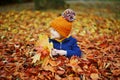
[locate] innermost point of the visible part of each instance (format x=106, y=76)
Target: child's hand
x=54, y=52
x=61, y=52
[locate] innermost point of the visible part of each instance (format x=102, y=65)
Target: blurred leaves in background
x=47, y=4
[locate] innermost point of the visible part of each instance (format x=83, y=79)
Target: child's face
x=54, y=34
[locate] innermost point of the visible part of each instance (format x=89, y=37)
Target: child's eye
x=54, y=30
x=51, y=29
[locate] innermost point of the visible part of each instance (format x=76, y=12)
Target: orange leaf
x=116, y=72
x=60, y=72
x=49, y=68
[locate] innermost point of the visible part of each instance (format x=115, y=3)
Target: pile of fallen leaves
x=97, y=37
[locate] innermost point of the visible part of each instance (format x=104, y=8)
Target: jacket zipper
x=60, y=45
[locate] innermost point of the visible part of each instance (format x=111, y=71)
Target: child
x=63, y=43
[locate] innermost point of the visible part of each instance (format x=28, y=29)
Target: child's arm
x=74, y=51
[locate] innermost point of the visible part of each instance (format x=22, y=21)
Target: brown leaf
x=60, y=72
x=116, y=72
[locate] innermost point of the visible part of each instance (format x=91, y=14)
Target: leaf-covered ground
x=97, y=37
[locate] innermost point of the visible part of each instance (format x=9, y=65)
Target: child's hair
x=63, y=24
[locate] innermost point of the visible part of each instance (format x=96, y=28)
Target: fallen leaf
x=36, y=58
x=94, y=76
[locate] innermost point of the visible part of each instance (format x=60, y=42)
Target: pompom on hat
x=63, y=24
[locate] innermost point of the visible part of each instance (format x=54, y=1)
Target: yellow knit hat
x=63, y=24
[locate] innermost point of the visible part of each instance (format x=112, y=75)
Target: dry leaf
x=49, y=68
x=116, y=72
x=36, y=58
x=94, y=76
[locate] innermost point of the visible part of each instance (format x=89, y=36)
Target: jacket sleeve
x=75, y=50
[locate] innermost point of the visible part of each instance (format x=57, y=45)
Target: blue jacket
x=69, y=44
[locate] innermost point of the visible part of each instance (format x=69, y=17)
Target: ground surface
x=97, y=29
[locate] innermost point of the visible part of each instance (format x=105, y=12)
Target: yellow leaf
x=53, y=63
x=94, y=76
x=36, y=58
x=44, y=42
x=73, y=61
x=50, y=47
x=45, y=61
x=14, y=31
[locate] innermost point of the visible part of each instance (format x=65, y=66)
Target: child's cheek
x=55, y=35
x=52, y=36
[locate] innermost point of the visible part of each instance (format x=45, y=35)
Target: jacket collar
x=63, y=40
x=60, y=40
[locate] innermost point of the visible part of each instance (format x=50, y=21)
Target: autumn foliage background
x=96, y=29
